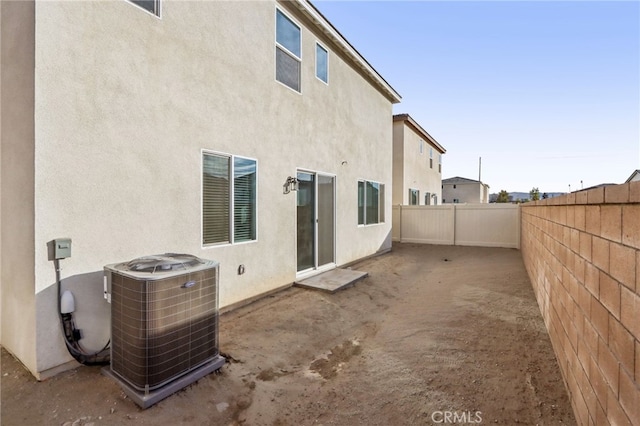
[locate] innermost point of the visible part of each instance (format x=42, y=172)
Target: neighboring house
x=635, y=176
x=250, y=133
x=417, y=164
x=463, y=190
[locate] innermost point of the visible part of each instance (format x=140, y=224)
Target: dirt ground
x=434, y=335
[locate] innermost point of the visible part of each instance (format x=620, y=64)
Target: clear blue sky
x=546, y=92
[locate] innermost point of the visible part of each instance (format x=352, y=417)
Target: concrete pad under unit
x=333, y=280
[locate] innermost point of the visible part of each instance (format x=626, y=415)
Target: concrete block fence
x=582, y=253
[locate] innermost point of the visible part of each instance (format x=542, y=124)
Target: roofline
x=315, y=16
x=418, y=128
x=470, y=181
x=632, y=175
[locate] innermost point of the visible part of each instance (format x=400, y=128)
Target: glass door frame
x=330, y=265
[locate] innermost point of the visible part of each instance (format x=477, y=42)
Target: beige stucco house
x=250, y=133
x=417, y=164
x=463, y=190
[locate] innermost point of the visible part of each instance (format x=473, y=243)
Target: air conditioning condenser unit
x=164, y=324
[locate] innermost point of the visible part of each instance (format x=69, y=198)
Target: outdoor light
x=291, y=184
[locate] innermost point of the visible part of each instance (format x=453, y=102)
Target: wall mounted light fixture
x=291, y=184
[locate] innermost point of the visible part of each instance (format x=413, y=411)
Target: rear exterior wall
x=126, y=102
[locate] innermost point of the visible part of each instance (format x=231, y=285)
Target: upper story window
x=421, y=146
x=288, y=51
x=152, y=6
x=322, y=63
x=439, y=163
x=431, y=158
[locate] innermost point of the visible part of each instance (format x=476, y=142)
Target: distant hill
x=523, y=195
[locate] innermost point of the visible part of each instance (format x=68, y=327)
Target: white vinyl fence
x=485, y=225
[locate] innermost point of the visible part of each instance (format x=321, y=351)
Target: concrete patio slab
x=333, y=280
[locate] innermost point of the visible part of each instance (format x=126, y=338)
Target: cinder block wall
x=582, y=253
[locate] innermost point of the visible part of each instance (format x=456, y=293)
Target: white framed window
x=288, y=51
x=370, y=202
x=431, y=158
x=322, y=63
x=229, y=199
x=414, y=197
x=439, y=163
x=421, y=146
x=152, y=6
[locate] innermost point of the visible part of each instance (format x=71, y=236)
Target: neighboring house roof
x=634, y=176
x=601, y=185
x=460, y=180
x=323, y=24
x=416, y=127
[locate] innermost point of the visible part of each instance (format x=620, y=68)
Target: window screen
x=244, y=196
x=373, y=202
x=287, y=69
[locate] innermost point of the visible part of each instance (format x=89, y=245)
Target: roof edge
x=311, y=12
x=635, y=172
x=418, y=128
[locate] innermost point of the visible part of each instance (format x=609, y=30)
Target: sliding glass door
x=315, y=220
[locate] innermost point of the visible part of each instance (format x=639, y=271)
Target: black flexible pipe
x=101, y=357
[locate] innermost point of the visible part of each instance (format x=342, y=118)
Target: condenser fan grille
x=162, y=263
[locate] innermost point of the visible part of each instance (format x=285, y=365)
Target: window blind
x=215, y=199
x=244, y=196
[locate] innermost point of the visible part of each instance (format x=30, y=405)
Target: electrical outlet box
x=60, y=248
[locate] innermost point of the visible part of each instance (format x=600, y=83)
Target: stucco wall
x=464, y=192
x=582, y=253
x=412, y=169
x=126, y=102
x=17, y=180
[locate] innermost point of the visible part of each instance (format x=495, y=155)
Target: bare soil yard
x=434, y=333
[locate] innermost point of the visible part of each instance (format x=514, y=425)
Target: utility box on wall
x=60, y=248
